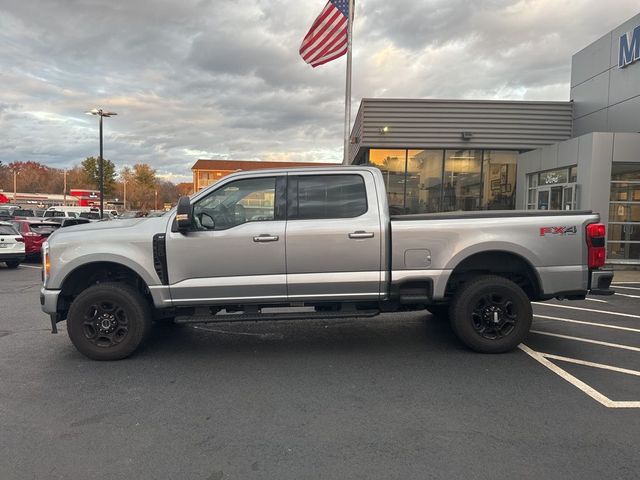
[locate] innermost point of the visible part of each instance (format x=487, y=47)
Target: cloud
x=223, y=79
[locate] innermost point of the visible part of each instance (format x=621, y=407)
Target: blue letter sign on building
x=629, y=48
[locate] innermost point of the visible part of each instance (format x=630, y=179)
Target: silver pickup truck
x=322, y=239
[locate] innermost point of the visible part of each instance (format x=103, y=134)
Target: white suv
x=11, y=245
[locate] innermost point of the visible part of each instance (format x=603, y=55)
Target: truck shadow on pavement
x=387, y=332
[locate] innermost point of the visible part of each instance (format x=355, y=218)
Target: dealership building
x=447, y=155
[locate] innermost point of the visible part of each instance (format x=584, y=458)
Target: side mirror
x=183, y=215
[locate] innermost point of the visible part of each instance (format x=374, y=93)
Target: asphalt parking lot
x=392, y=397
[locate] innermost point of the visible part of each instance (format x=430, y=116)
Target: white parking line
x=596, y=300
x=593, y=324
x=627, y=288
x=590, y=391
x=587, y=340
x=591, y=364
x=605, y=312
x=627, y=295
x=625, y=283
x=30, y=266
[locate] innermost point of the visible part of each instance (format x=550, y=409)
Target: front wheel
x=491, y=314
x=109, y=321
x=13, y=263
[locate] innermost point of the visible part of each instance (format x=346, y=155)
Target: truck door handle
x=361, y=234
x=266, y=238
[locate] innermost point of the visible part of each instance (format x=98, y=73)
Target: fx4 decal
x=558, y=231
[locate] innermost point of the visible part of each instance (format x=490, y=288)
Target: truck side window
x=248, y=200
x=329, y=196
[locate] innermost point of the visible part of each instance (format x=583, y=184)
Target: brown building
x=206, y=172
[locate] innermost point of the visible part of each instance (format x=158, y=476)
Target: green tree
x=91, y=171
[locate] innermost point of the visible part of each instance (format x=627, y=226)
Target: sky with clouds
x=222, y=78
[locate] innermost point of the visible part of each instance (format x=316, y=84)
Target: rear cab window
x=326, y=196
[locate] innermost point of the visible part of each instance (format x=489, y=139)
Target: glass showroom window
x=624, y=214
x=499, y=180
x=462, y=180
x=424, y=181
x=393, y=165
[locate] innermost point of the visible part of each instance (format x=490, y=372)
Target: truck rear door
x=333, y=236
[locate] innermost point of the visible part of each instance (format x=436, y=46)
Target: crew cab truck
x=320, y=238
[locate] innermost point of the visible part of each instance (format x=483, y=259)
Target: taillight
x=596, y=234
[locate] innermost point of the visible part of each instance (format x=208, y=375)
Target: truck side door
x=235, y=250
x=333, y=236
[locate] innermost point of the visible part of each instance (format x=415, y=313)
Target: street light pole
x=101, y=113
x=64, y=193
x=101, y=171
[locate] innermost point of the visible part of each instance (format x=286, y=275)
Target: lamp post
x=64, y=192
x=101, y=113
x=124, y=200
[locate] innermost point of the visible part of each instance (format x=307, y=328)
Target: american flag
x=327, y=38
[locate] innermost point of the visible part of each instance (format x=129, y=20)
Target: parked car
x=68, y=222
x=71, y=222
x=92, y=215
x=321, y=238
x=131, y=214
x=12, y=246
x=72, y=212
x=34, y=232
x=18, y=213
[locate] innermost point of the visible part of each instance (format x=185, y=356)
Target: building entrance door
x=556, y=198
x=543, y=198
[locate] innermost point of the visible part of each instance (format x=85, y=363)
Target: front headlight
x=46, y=263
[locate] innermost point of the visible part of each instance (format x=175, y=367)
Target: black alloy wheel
x=105, y=324
x=109, y=321
x=491, y=314
x=494, y=316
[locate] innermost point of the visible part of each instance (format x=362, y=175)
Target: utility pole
x=15, y=186
x=64, y=193
x=124, y=200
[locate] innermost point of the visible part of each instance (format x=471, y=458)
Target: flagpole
x=347, y=95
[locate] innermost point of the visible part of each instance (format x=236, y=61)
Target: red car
x=34, y=232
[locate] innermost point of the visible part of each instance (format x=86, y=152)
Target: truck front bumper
x=49, y=300
x=600, y=283
x=49, y=305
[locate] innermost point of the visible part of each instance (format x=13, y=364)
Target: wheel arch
x=95, y=272
x=504, y=263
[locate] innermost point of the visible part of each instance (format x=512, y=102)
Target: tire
x=491, y=314
x=441, y=312
x=13, y=263
x=109, y=321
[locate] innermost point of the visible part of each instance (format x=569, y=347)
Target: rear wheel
x=491, y=314
x=13, y=263
x=109, y=321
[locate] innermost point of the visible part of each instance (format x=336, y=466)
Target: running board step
x=256, y=317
